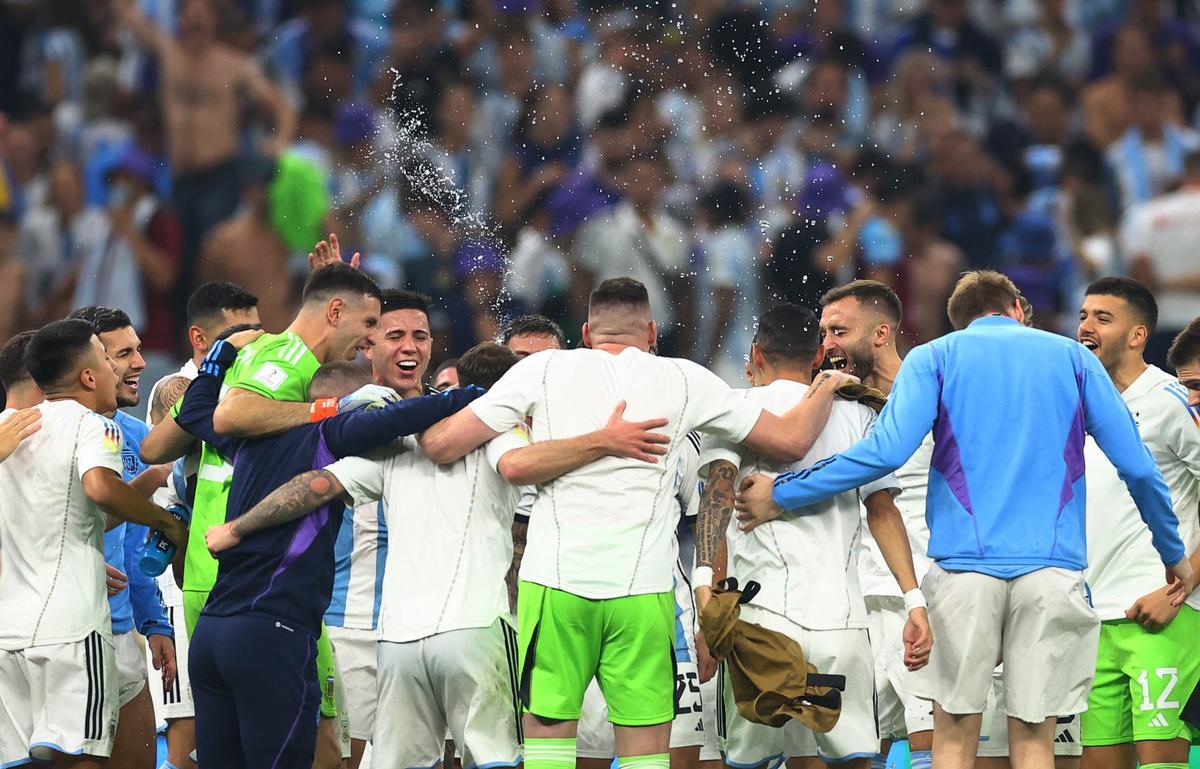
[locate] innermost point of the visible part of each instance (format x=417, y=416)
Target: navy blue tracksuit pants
x=254, y=681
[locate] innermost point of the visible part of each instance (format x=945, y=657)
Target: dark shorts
x=255, y=686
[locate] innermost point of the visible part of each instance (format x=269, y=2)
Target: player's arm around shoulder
x=294, y=499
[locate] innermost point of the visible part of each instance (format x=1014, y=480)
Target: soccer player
x=1006, y=525
x=860, y=322
x=253, y=653
x=806, y=563
x=1146, y=664
x=140, y=606
x=211, y=308
x=596, y=582
x=399, y=359
x=1184, y=357
x=58, y=668
x=530, y=334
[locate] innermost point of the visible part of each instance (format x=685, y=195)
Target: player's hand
x=755, y=504
x=633, y=440
x=706, y=664
x=176, y=531
x=115, y=580
x=162, y=654
x=918, y=639
x=221, y=538
x=243, y=338
x=330, y=252
x=1181, y=581
x=1153, y=611
x=19, y=426
x=836, y=377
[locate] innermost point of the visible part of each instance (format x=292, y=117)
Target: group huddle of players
x=352, y=545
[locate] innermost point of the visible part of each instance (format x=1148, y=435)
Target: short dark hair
x=1135, y=294
x=617, y=292
x=403, y=299
x=12, y=360
x=535, y=325
x=102, y=319
x=207, y=302
x=788, y=332
x=878, y=295
x=448, y=363
x=1186, y=347
x=339, y=278
x=339, y=378
x=484, y=364
x=55, y=350
x=979, y=293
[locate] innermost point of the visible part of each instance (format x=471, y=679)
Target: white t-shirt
x=52, y=580
x=807, y=564
x=913, y=477
x=1123, y=565
x=607, y=530
x=449, y=534
x=1165, y=229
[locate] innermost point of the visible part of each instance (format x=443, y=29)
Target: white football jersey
x=52, y=580
x=806, y=561
x=449, y=534
x=1123, y=565
x=608, y=529
x=913, y=477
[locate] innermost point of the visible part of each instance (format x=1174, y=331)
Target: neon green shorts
x=1143, y=680
x=327, y=678
x=627, y=644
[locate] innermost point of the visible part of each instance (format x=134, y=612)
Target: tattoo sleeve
x=519, y=533
x=817, y=383
x=716, y=507
x=292, y=500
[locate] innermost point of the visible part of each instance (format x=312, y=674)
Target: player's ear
x=334, y=310
x=587, y=336
x=1138, y=336
x=882, y=332
x=652, y=332
x=197, y=338
x=819, y=358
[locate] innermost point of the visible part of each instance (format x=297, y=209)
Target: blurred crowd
x=505, y=155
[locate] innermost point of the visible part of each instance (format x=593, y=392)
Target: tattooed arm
x=716, y=506
x=520, y=531
x=294, y=499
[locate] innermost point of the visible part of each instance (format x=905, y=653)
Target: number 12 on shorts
x=1168, y=675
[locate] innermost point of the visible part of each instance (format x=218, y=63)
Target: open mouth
x=407, y=366
x=1091, y=344
x=131, y=382
x=837, y=361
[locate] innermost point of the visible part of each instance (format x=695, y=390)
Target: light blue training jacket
x=1009, y=407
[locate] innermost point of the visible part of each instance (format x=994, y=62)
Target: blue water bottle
x=160, y=551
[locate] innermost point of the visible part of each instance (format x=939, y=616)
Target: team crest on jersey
x=129, y=461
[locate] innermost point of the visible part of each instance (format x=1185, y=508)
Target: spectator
x=1159, y=239
x=920, y=90
x=201, y=81
x=1051, y=44
x=1148, y=159
x=1107, y=104
x=545, y=148
x=794, y=271
x=538, y=277
x=927, y=279
x=54, y=241
x=730, y=279
x=12, y=278
x=969, y=204
x=637, y=238
x=323, y=25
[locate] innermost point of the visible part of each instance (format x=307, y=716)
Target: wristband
x=702, y=576
x=322, y=409
x=915, y=599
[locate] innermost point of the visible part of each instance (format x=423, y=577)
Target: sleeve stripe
x=1192, y=411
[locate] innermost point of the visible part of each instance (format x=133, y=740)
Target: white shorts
x=356, y=652
x=836, y=652
x=342, y=723
x=900, y=712
x=713, y=748
x=993, y=737
x=595, y=737
x=61, y=697
x=131, y=666
x=176, y=703
x=1040, y=623
x=461, y=680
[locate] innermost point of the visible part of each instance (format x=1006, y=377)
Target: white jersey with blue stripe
x=687, y=493
x=359, y=558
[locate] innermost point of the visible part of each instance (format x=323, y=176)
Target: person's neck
x=887, y=367
x=801, y=374
x=314, y=332
x=1127, y=370
x=85, y=398
x=615, y=348
x=23, y=396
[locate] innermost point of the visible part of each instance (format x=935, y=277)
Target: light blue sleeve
x=1107, y=419
x=149, y=611
x=902, y=425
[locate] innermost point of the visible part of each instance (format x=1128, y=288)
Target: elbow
x=511, y=470
x=438, y=451
x=223, y=421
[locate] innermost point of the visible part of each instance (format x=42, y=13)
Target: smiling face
x=355, y=322
x=846, y=333
x=105, y=378
x=1109, y=328
x=125, y=349
x=400, y=355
